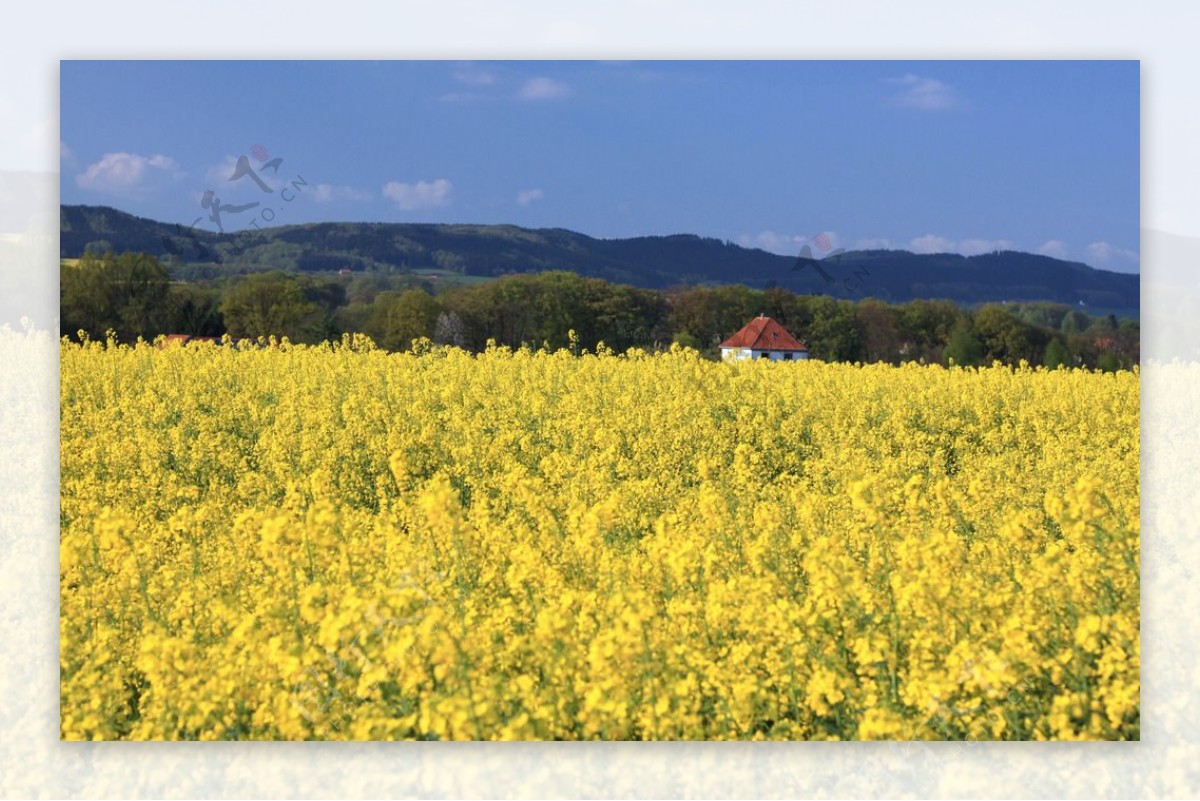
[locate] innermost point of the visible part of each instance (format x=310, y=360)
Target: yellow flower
x=333, y=542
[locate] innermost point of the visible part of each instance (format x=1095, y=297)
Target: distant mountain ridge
x=648, y=261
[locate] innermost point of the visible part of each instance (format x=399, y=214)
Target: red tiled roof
x=763, y=333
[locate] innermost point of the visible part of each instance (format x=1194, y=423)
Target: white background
x=1162, y=35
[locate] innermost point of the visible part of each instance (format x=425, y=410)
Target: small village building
x=763, y=338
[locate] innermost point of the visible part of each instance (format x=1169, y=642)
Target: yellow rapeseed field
x=334, y=542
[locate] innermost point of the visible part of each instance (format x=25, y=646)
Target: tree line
x=133, y=295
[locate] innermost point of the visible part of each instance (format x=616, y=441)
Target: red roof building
x=763, y=338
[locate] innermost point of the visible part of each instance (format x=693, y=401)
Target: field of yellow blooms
x=334, y=542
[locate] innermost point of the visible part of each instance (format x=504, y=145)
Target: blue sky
x=928, y=156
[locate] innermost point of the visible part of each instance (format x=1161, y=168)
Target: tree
x=84, y=301
x=559, y=306
x=622, y=316
x=686, y=340
x=924, y=327
x=450, y=330
x=327, y=296
x=1006, y=338
x=714, y=314
x=1074, y=322
x=448, y=260
x=266, y=304
x=963, y=348
x=781, y=305
x=696, y=310
x=1056, y=354
x=833, y=334
x=877, y=330
x=128, y=293
x=398, y=318
x=362, y=288
x=195, y=310
x=140, y=287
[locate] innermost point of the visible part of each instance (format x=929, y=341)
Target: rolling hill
x=652, y=261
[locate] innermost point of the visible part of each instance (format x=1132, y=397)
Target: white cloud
x=932, y=243
x=326, y=193
x=974, y=247
x=543, y=89
x=921, y=92
x=787, y=244
x=219, y=178
x=473, y=75
x=64, y=151
x=822, y=244
x=125, y=172
x=1105, y=255
x=1055, y=248
x=527, y=196
x=219, y=174
x=323, y=193
x=790, y=244
x=875, y=243
x=421, y=195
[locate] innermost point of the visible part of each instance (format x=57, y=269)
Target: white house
x=763, y=338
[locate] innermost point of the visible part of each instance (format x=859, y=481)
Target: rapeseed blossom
x=334, y=542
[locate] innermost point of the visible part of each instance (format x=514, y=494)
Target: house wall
x=735, y=354
x=778, y=355
x=796, y=355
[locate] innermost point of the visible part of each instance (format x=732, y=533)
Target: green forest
x=465, y=254
x=134, y=295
